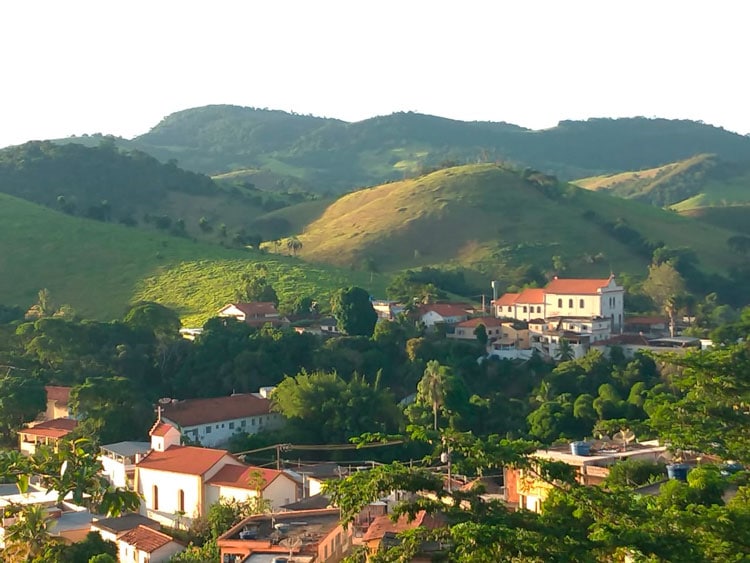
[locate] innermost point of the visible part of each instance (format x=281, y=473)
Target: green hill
x=99, y=268
x=334, y=156
x=493, y=219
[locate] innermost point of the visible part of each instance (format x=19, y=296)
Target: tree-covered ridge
x=331, y=155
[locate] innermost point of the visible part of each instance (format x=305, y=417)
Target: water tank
x=580, y=448
x=678, y=471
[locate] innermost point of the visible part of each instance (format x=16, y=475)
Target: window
x=155, y=497
x=510, y=308
x=208, y=429
x=524, y=308
x=243, y=423
x=181, y=501
x=559, y=303
x=580, y=304
x=570, y=303
x=231, y=425
x=538, y=308
x=252, y=420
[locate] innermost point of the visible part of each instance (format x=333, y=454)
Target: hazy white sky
x=118, y=67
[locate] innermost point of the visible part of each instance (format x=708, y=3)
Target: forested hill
x=333, y=155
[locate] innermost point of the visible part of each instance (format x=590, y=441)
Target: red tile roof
x=145, y=539
x=57, y=393
x=506, y=299
x=577, y=286
x=160, y=429
x=193, y=412
x=57, y=428
x=383, y=524
x=189, y=460
x=240, y=476
x=486, y=321
x=446, y=309
x=531, y=295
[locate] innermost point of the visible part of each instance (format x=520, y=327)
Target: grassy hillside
x=492, y=219
x=99, y=268
x=332, y=156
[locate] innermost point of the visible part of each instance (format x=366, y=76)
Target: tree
x=257, y=288
x=29, y=536
x=564, y=351
x=431, y=388
x=666, y=287
x=294, y=245
x=481, y=334
x=22, y=398
x=353, y=311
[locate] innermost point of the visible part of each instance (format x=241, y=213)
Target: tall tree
x=22, y=398
x=431, y=388
x=354, y=312
x=666, y=287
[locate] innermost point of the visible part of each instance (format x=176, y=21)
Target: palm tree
x=432, y=387
x=29, y=536
x=565, y=351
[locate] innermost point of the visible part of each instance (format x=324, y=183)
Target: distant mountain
x=131, y=187
x=331, y=155
x=494, y=220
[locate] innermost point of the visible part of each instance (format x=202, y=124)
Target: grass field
x=99, y=268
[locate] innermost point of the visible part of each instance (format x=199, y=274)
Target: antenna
x=624, y=437
x=293, y=543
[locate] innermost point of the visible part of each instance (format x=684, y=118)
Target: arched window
x=580, y=304
x=155, y=497
x=570, y=303
x=559, y=303
x=181, y=501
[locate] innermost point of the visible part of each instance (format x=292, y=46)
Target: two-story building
x=256, y=313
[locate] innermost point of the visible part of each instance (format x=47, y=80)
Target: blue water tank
x=678, y=471
x=580, y=448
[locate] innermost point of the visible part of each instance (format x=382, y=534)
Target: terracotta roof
x=531, y=295
x=145, y=539
x=506, y=299
x=486, y=321
x=446, y=309
x=577, y=286
x=193, y=412
x=57, y=393
x=189, y=460
x=239, y=476
x=255, y=308
x=160, y=429
x=383, y=524
x=56, y=428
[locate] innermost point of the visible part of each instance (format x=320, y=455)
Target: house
x=257, y=313
x=172, y=479
x=305, y=535
x=465, y=330
x=243, y=482
x=387, y=310
x=652, y=326
x=524, y=306
x=599, y=298
x=525, y=488
x=143, y=544
x=329, y=325
x=48, y=433
x=383, y=533
x=631, y=344
x=69, y=522
x=443, y=313
x=58, y=398
x=212, y=422
x=118, y=461
x=112, y=528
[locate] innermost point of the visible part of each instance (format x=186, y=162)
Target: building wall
x=169, y=484
x=115, y=471
x=165, y=553
x=336, y=545
x=217, y=433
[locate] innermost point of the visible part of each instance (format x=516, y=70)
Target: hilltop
x=99, y=268
x=493, y=220
x=333, y=156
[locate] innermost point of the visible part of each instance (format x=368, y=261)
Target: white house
x=47, y=433
x=524, y=306
x=58, y=398
x=112, y=528
x=242, y=482
x=447, y=313
x=143, y=544
x=118, y=461
x=257, y=313
x=593, y=298
x=211, y=422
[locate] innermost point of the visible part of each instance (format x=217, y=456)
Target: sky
x=115, y=67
